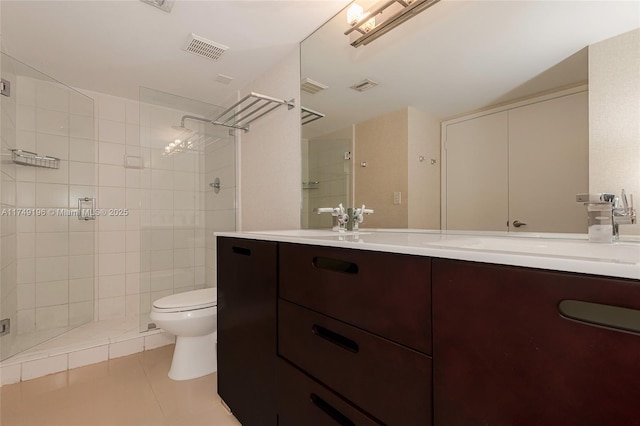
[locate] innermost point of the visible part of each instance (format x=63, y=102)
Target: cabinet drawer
x=387, y=380
x=303, y=401
x=387, y=294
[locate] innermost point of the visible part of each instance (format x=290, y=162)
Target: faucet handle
x=625, y=203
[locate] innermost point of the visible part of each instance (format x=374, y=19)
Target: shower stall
x=47, y=171
x=101, y=214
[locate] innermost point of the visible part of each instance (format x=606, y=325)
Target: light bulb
x=167, y=149
x=354, y=13
x=171, y=145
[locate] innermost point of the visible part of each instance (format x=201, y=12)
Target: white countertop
x=558, y=252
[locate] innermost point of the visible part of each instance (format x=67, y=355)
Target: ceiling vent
x=224, y=79
x=311, y=86
x=365, y=84
x=206, y=48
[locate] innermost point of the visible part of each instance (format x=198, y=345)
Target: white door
x=477, y=174
x=549, y=165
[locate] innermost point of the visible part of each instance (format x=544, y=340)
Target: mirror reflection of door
x=500, y=166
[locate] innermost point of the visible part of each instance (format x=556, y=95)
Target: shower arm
x=196, y=118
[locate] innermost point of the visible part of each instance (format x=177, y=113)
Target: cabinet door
x=477, y=174
x=505, y=355
x=247, y=291
x=549, y=164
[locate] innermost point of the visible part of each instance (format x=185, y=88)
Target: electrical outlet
x=397, y=198
x=347, y=155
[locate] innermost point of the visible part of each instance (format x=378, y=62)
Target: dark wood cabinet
x=391, y=382
x=314, y=335
x=304, y=401
x=247, y=293
x=359, y=322
x=504, y=353
x=385, y=293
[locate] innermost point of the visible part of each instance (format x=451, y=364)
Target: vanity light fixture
x=381, y=18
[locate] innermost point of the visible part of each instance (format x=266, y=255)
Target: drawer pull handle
x=330, y=411
x=614, y=317
x=335, y=265
x=241, y=250
x=335, y=338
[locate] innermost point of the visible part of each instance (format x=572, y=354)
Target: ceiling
x=116, y=46
x=455, y=57
x=458, y=56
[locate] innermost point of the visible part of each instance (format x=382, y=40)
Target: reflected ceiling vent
x=165, y=5
x=206, y=48
x=311, y=86
x=365, y=84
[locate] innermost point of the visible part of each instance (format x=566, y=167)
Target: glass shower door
x=47, y=175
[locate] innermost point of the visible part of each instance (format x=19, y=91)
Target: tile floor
x=129, y=391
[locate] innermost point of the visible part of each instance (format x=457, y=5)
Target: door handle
x=518, y=224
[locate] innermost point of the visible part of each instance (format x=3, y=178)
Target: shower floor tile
x=129, y=391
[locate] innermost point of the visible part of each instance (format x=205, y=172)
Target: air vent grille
x=311, y=86
x=365, y=84
x=206, y=48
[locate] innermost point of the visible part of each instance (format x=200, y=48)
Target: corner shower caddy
x=26, y=158
x=245, y=111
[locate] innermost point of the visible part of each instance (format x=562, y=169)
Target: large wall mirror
x=472, y=115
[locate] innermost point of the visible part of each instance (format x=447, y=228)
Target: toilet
x=191, y=317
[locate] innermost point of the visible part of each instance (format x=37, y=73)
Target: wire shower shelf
x=27, y=158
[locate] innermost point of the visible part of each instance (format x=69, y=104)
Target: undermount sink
x=618, y=252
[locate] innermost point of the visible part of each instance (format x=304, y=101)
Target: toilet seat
x=187, y=301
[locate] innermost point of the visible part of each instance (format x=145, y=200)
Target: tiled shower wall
x=158, y=247
x=55, y=252
x=165, y=244
x=117, y=237
x=172, y=210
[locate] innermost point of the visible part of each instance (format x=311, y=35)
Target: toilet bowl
x=191, y=317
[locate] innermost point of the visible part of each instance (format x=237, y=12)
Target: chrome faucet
x=623, y=213
x=337, y=212
x=358, y=216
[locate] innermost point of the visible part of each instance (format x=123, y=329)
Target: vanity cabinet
x=319, y=335
x=505, y=354
x=247, y=293
x=358, y=322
